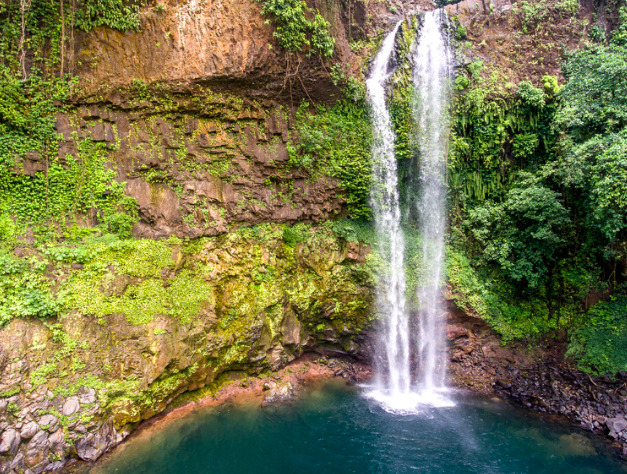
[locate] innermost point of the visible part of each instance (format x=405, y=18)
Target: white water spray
x=395, y=388
x=394, y=373
x=433, y=71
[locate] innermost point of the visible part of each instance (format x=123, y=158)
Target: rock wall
x=207, y=162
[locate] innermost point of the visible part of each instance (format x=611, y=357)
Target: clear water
x=334, y=429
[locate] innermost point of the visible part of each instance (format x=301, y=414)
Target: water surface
x=335, y=429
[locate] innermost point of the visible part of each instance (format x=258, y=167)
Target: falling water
x=432, y=74
x=394, y=373
x=395, y=388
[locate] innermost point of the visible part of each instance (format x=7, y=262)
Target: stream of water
x=393, y=381
x=433, y=69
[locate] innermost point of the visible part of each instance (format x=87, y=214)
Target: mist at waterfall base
x=395, y=387
x=335, y=429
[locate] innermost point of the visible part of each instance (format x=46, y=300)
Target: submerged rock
x=279, y=392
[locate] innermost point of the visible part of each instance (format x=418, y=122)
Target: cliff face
x=204, y=165
x=197, y=111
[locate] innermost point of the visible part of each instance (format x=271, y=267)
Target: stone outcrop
x=203, y=165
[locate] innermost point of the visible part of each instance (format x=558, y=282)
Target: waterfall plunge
x=395, y=389
x=386, y=206
x=432, y=73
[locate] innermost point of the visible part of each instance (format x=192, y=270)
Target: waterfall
x=433, y=70
x=393, y=371
x=395, y=388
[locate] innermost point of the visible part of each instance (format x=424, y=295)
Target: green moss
x=10, y=392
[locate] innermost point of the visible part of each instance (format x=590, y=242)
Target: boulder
x=279, y=392
x=92, y=447
x=37, y=449
x=18, y=464
x=9, y=441
x=29, y=430
x=89, y=397
x=616, y=425
x=71, y=406
x=49, y=423
x=57, y=443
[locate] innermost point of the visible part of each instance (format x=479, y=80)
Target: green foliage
x=595, y=96
x=522, y=233
x=114, y=14
x=594, y=163
x=108, y=284
x=355, y=230
x=597, y=34
x=296, y=30
x=352, y=88
x=532, y=14
x=600, y=345
x=295, y=235
x=460, y=33
x=497, y=130
x=619, y=36
x=335, y=141
x=53, y=201
x=69, y=189
x=24, y=290
x=537, y=175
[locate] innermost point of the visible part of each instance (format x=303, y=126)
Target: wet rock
x=18, y=464
x=89, y=397
x=29, y=430
x=57, y=443
x=280, y=392
x=71, y=406
x=37, y=449
x=93, y=446
x=49, y=423
x=616, y=425
x=9, y=441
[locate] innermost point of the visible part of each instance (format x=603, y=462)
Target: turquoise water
x=334, y=429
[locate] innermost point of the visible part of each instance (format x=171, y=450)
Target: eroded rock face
x=195, y=175
x=218, y=43
x=226, y=45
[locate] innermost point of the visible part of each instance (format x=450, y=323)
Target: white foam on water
x=416, y=402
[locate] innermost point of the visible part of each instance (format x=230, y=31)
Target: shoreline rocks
x=539, y=380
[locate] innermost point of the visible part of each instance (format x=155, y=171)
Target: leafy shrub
x=523, y=233
x=355, y=230
x=335, y=141
x=295, y=31
x=114, y=14
x=24, y=291
x=600, y=345
x=293, y=235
